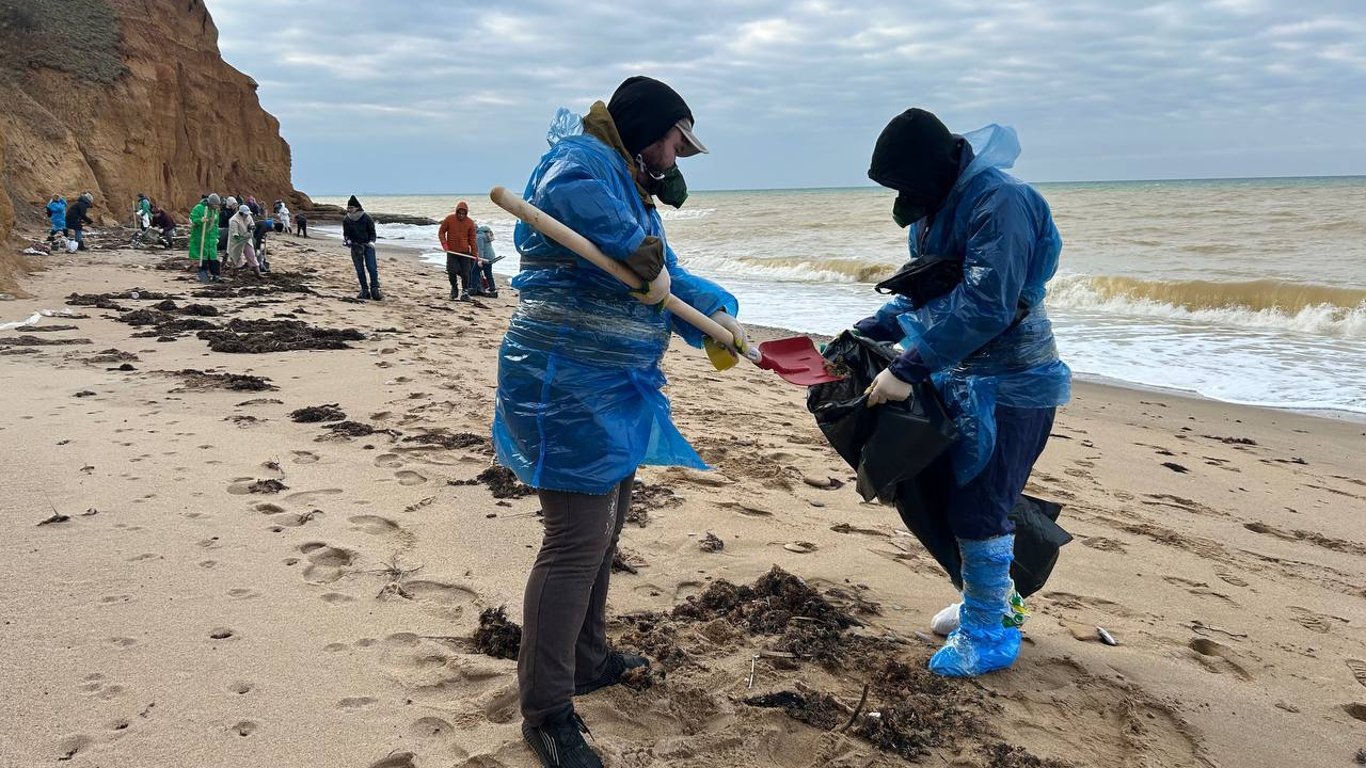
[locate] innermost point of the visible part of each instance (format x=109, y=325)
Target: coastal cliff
x=118, y=97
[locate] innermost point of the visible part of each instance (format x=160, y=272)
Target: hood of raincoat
x=917, y=156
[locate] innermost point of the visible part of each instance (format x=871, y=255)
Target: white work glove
x=725, y=320
x=657, y=290
x=887, y=388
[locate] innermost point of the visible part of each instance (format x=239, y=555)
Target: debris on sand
x=34, y=341
x=502, y=483
x=357, y=429
x=626, y=561
x=267, y=486
x=316, y=413
x=249, y=284
x=84, y=393
x=1005, y=756
x=56, y=518
x=645, y=497
x=497, y=636
x=198, y=310
x=52, y=328
x=194, y=379
x=451, y=440
x=1177, y=468
x=107, y=300
x=163, y=323
x=112, y=355
x=259, y=336
x=711, y=543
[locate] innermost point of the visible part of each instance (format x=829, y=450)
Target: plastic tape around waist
x=1025, y=346
x=590, y=329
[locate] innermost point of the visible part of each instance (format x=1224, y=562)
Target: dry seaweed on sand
x=497, y=635
x=266, y=486
x=358, y=429
x=711, y=543
x=164, y=323
x=51, y=328
x=450, y=440
x=501, y=481
x=316, y=413
x=258, y=336
x=1002, y=755
x=237, y=382
x=34, y=341
x=106, y=300
x=112, y=355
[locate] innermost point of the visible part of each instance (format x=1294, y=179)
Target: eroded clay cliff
x=125, y=96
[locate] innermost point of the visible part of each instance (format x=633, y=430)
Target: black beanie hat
x=644, y=109
x=353, y=202
x=917, y=156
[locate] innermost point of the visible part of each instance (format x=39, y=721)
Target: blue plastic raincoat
x=1004, y=233
x=56, y=212
x=579, y=405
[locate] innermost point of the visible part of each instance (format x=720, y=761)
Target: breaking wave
x=1268, y=304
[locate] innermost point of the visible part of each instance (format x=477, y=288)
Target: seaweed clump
x=497, y=635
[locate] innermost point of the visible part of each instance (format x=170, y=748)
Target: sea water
x=1248, y=291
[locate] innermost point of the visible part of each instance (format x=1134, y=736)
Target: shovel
x=795, y=359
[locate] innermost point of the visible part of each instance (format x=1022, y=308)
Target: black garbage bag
x=888, y=444
x=922, y=504
x=899, y=453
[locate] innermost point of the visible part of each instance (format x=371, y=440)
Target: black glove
x=647, y=260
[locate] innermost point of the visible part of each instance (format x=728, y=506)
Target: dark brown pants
x=564, y=614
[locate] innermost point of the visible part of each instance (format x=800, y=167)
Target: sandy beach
x=222, y=585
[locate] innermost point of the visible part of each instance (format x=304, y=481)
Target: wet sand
x=234, y=587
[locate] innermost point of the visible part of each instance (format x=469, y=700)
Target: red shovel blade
x=795, y=359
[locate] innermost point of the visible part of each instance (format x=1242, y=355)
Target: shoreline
x=234, y=584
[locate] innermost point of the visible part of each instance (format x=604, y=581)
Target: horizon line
x=874, y=186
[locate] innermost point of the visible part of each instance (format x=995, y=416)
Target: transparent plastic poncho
x=579, y=402
x=1004, y=231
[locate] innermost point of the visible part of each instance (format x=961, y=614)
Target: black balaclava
x=918, y=157
x=644, y=109
x=353, y=202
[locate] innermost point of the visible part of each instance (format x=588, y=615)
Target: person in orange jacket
x=457, y=234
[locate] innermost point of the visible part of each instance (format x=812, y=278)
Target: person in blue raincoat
x=579, y=405
x=56, y=214
x=984, y=338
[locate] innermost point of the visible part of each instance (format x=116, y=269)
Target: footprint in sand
x=243, y=728
x=389, y=460
x=1358, y=668
x=72, y=745
x=266, y=508
x=242, y=593
x=304, y=498
x=336, y=598
x=1217, y=657
x=433, y=730
x=241, y=687
x=296, y=520
x=374, y=524
x=439, y=598
x=1311, y=621
x=326, y=564
x=409, y=477
x=397, y=760
x=305, y=457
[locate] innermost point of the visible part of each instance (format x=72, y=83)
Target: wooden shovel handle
x=547, y=225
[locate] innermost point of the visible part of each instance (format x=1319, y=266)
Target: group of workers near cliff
x=579, y=405
x=238, y=228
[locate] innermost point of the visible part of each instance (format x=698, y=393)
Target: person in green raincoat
x=204, y=237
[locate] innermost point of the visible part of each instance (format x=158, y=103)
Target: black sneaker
x=376, y=295
x=617, y=665
x=363, y=295
x=559, y=743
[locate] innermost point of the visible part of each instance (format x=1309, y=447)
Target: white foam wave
x=1075, y=292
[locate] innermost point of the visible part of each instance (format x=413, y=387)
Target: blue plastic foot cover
x=986, y=640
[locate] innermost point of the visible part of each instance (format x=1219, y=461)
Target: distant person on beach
x=579, y=405
x=163, y=221
x=254, y=206
x=77, y=216
x=358, y=233
x=56, y=216
x=225, y=215
x=980, y=327
x=258, y=241
x=204, y=237
x=300, y=225
x=240, y=228
x=283, y=222
x=483, y=237
x=142, y=212
x=457, y=236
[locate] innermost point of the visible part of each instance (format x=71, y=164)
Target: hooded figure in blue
x=984, y=338
x=579, y=405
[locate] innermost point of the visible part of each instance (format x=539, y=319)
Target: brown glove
x=647, y=260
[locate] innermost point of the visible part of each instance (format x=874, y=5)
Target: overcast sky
x=434, y=96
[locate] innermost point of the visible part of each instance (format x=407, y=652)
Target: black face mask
x=668, y=185
x=907, y=211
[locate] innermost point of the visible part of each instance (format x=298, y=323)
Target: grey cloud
x=432, y=96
